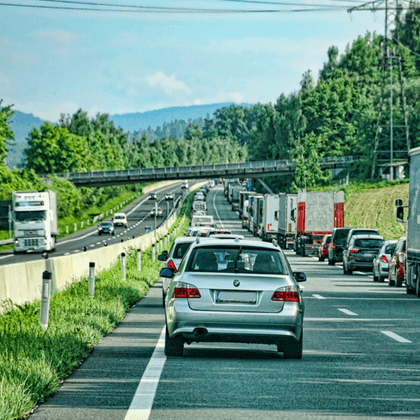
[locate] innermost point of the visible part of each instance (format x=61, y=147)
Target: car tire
x=174, y=346
x=418, y=286
x=399, y=282
x=381, y=279
x=163, y=299
x=349, y=271
x=375, y=277
x=409, y=290
x=293, y=349
x=391, y=282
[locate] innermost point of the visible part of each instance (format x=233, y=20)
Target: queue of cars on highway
x=219, y=287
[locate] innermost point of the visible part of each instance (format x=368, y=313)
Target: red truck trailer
x=318, y=213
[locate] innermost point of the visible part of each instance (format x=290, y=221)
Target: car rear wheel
x=409, y=290
x=349, y=271
x=163, y=298
x=174, y=346
x=292, y=349
x=418, y=286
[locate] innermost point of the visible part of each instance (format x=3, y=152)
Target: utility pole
x=393, y=9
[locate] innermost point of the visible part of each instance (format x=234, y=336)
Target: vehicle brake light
x=355, y=250
x=384, y=259
x=171, y=264
x=186, y=291
x=286, y=294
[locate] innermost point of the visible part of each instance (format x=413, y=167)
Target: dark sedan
x=106, y=228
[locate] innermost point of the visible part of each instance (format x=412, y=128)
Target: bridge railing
x=241, y=168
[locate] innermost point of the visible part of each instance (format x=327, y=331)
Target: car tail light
x=384, y=259
x=333, y=245
x=186, y=291
x=354, y=250
x=171, y=264
x=286, y=294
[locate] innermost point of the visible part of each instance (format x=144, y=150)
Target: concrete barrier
x=23, y=282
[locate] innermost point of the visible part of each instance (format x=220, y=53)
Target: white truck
x=287, y=220
x=235, y=196
x=412, y=259
x=35, y=221
x=244, y=207
x=256, y=211
x=270, y=220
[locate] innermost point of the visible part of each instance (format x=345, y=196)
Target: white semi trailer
x=287, y=220
x=270, y=219
x=35, y=221
x=412, y=260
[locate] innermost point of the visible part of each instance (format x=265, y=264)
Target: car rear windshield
x=106, y=224
x=389, y=249
x=340, y=236
x=236, y=260
x=368, y=243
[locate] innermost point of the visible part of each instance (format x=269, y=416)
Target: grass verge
x=34, y=362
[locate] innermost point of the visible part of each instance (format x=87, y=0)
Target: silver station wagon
x=234, y=290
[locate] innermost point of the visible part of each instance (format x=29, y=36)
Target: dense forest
x=345, y=111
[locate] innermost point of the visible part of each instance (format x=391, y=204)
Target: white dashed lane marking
x=318, y=296
x=396, y=337
x=346, y=311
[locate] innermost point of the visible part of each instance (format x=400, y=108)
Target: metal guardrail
x=229, y=170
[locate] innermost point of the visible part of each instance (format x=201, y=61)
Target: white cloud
x=169, y=84
x=57, y=36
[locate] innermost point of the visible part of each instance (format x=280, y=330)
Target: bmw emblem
x=236, y=283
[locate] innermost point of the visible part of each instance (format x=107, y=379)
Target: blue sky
x=57, y=61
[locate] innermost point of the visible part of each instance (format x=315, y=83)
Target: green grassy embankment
x=33, y=362
x=375, y=208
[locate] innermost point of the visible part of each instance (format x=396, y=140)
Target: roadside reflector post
x=45, y=299
x=91, y=279
x=75, y=227
x=139, y=259
x=67, y=229
x=123, y=265
x=161, y=245
x=153, y=252
x=166, y=241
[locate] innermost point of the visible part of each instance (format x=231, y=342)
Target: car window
x=403, y=246
x=236, y=260
x=181, y=249
x=328, y=240
x=368, y=243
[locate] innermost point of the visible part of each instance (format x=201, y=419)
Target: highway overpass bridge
x=225, y=170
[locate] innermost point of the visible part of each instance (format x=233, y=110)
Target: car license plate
x=225, y=296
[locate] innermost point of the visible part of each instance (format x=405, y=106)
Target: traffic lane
x=349, y=369
x=357, y=292
x=104, y=384
x=89, y=238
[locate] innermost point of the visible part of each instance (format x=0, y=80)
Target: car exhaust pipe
x=200, y=332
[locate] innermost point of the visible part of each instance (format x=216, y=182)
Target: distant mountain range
x=143, y=120
x=22, y=124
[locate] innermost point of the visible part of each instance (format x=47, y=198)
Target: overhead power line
x=127, y=8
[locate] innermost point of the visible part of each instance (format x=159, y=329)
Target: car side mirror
x=163, y=256
x=167, y=273
x=300, y=277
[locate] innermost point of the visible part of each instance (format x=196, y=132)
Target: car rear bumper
x=244, y=327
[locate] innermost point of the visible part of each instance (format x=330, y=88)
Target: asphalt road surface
x=138, y=217
x=361, y=359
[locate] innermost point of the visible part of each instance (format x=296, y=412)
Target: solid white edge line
x=396, y=336
x=142, y=402
x=346, y=311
